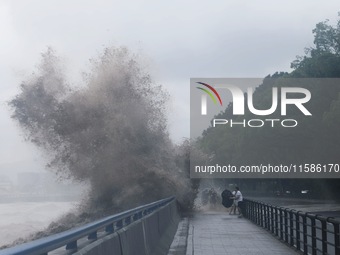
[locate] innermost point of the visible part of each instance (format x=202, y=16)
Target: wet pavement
x=218, y=233
x=212, y=231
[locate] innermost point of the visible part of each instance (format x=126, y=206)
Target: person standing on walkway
x=232, y=209
x=238, y=200
x=212, y=197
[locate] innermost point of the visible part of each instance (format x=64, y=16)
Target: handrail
x=307, y=232
x=69, y=238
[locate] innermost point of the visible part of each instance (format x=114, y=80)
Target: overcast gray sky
x=181, y=39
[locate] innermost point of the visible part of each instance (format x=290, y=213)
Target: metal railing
x=309, y=233
x=70, y=237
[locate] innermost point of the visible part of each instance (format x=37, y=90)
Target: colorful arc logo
x=204, y=97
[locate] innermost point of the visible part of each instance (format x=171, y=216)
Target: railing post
x=258, y=214
x=336, y=238
x=265, y=217
x=72, y=246
x=313, y=229
x=281, y=223
x=305, y=239
x=250, y=210
x=324, y=235
x=254, y=212
x=245, y=208
x=286, y=224
x=127, y=220
x=135, y=216
x=276, y=221
x=291, y=227
x=92, y=236
x=263, y=210
x=272, y=218
x=297, y=230
x=109, y=228
x=119, y=224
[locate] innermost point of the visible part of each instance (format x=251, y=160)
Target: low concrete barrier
x=132, y=239
x=151, y=228
x=108, y=245
x=151, y=235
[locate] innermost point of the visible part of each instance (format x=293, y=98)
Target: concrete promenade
x=218, y=233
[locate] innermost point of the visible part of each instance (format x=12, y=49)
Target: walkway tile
x=216, y=233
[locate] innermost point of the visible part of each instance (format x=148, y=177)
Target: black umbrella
x=227, y=201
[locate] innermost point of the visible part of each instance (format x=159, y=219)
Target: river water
x=18, y=220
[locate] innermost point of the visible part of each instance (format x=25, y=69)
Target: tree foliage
x=322, y=60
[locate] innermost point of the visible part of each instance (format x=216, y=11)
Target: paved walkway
x=218, y=233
